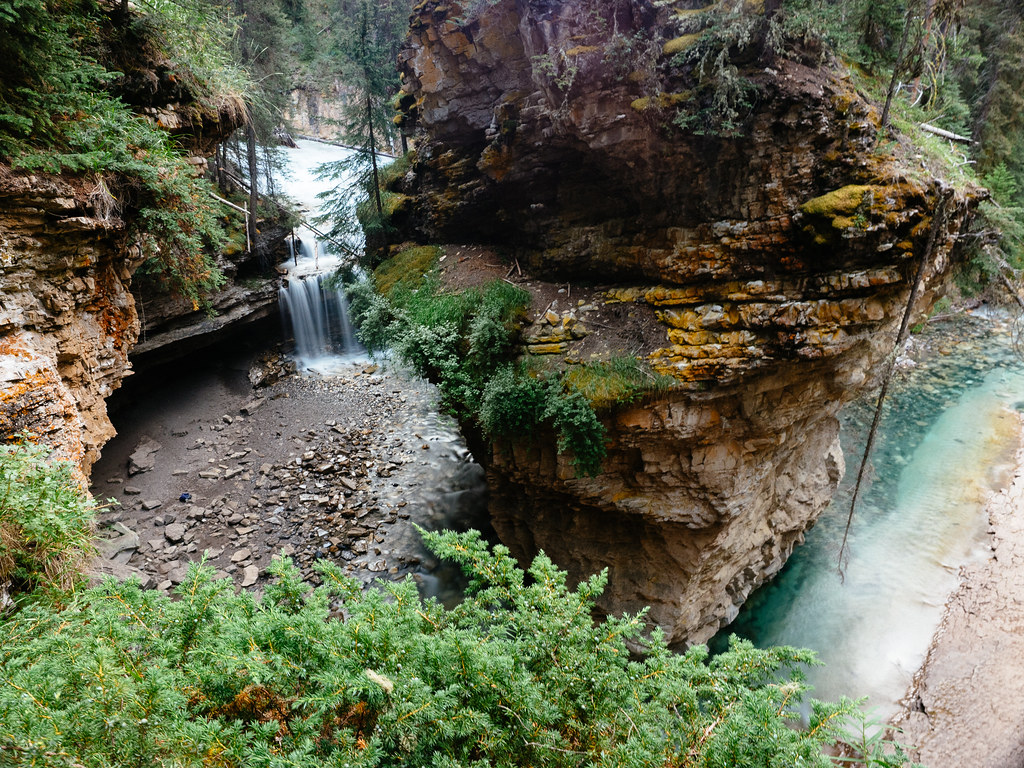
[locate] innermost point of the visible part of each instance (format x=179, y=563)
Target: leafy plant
x=45, y=521
x=463, y=343
x=518, y=674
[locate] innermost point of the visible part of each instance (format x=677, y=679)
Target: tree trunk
x=897, y=65
x=373, y=154
x=254, y=188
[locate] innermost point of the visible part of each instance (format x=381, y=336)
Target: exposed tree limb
x=946, y=134
x=938, y=222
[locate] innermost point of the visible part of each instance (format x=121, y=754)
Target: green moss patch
x=615, y=382
x=406, y=269
x=840, y=202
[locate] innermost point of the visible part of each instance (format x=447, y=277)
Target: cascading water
x=318, y=318
x=314, y=310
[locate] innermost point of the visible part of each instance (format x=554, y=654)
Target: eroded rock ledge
x=67, y=317
x=766, y=272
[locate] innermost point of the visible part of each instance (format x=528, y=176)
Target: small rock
x=242, y=554
x=143, y=458
x=249, y=575
x=174, y=533
x=151, y=504
x=132, y=490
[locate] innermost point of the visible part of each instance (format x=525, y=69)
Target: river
x=946, y=441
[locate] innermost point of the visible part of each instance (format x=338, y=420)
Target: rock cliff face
x=67, y=317
x=762, y=260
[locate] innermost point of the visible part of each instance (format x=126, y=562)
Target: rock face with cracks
x=67, y=317
x=764, y=264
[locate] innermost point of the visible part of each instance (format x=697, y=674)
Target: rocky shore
x=312, y=467
x=964, y=707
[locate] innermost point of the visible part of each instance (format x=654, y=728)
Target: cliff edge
x=673, y=183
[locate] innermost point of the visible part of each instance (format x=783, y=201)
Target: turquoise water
x=947, y=440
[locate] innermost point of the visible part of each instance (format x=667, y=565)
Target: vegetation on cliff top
x=518, y=674
x=60, y=111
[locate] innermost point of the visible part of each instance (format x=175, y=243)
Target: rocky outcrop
x=67, y=317
x=312, y=112
x=173, y=327
x=720, y=211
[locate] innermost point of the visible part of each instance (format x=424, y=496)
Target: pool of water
x=947, y=439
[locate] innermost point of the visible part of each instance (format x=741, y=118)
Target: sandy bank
x=966, y=704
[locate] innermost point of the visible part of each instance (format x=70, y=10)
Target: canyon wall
x=672, y=183
x=68, y=320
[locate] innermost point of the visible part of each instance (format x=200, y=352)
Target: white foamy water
x=315, y=311
x=907, y=544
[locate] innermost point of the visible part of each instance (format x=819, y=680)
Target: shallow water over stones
x=947, y=438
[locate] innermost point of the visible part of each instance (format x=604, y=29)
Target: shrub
x=462, y=342
x=45, y=521
x=518, y=674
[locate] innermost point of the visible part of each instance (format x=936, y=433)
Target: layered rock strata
x=764, y=265
x=68, y=319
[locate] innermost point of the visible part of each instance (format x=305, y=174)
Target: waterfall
x=314, y=313
x=317, y=317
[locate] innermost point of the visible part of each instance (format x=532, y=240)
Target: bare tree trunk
x=254, y=188
x=373, y=155
x=896, y=67
x=938, y=221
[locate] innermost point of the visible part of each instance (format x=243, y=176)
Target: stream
x=947, y=439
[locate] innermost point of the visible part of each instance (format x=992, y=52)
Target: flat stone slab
x=143, y=458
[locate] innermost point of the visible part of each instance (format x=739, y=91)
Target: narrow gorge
x=607, y=281
x=766, y=272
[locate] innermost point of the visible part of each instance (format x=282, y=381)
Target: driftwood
x=946, y=134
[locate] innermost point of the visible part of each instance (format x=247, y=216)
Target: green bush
x=45, y=522
x=463, y=343
x=518, y=674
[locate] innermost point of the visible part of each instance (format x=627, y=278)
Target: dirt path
x=313, y=467
x=966, y=706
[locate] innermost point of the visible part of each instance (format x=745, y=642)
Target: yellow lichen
x=579, y=50
x=679, y=44
x=641, y=104
x=843, y=201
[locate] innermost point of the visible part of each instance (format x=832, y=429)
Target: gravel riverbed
x=212, y=468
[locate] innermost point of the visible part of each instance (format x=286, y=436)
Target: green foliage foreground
x=518, y=674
